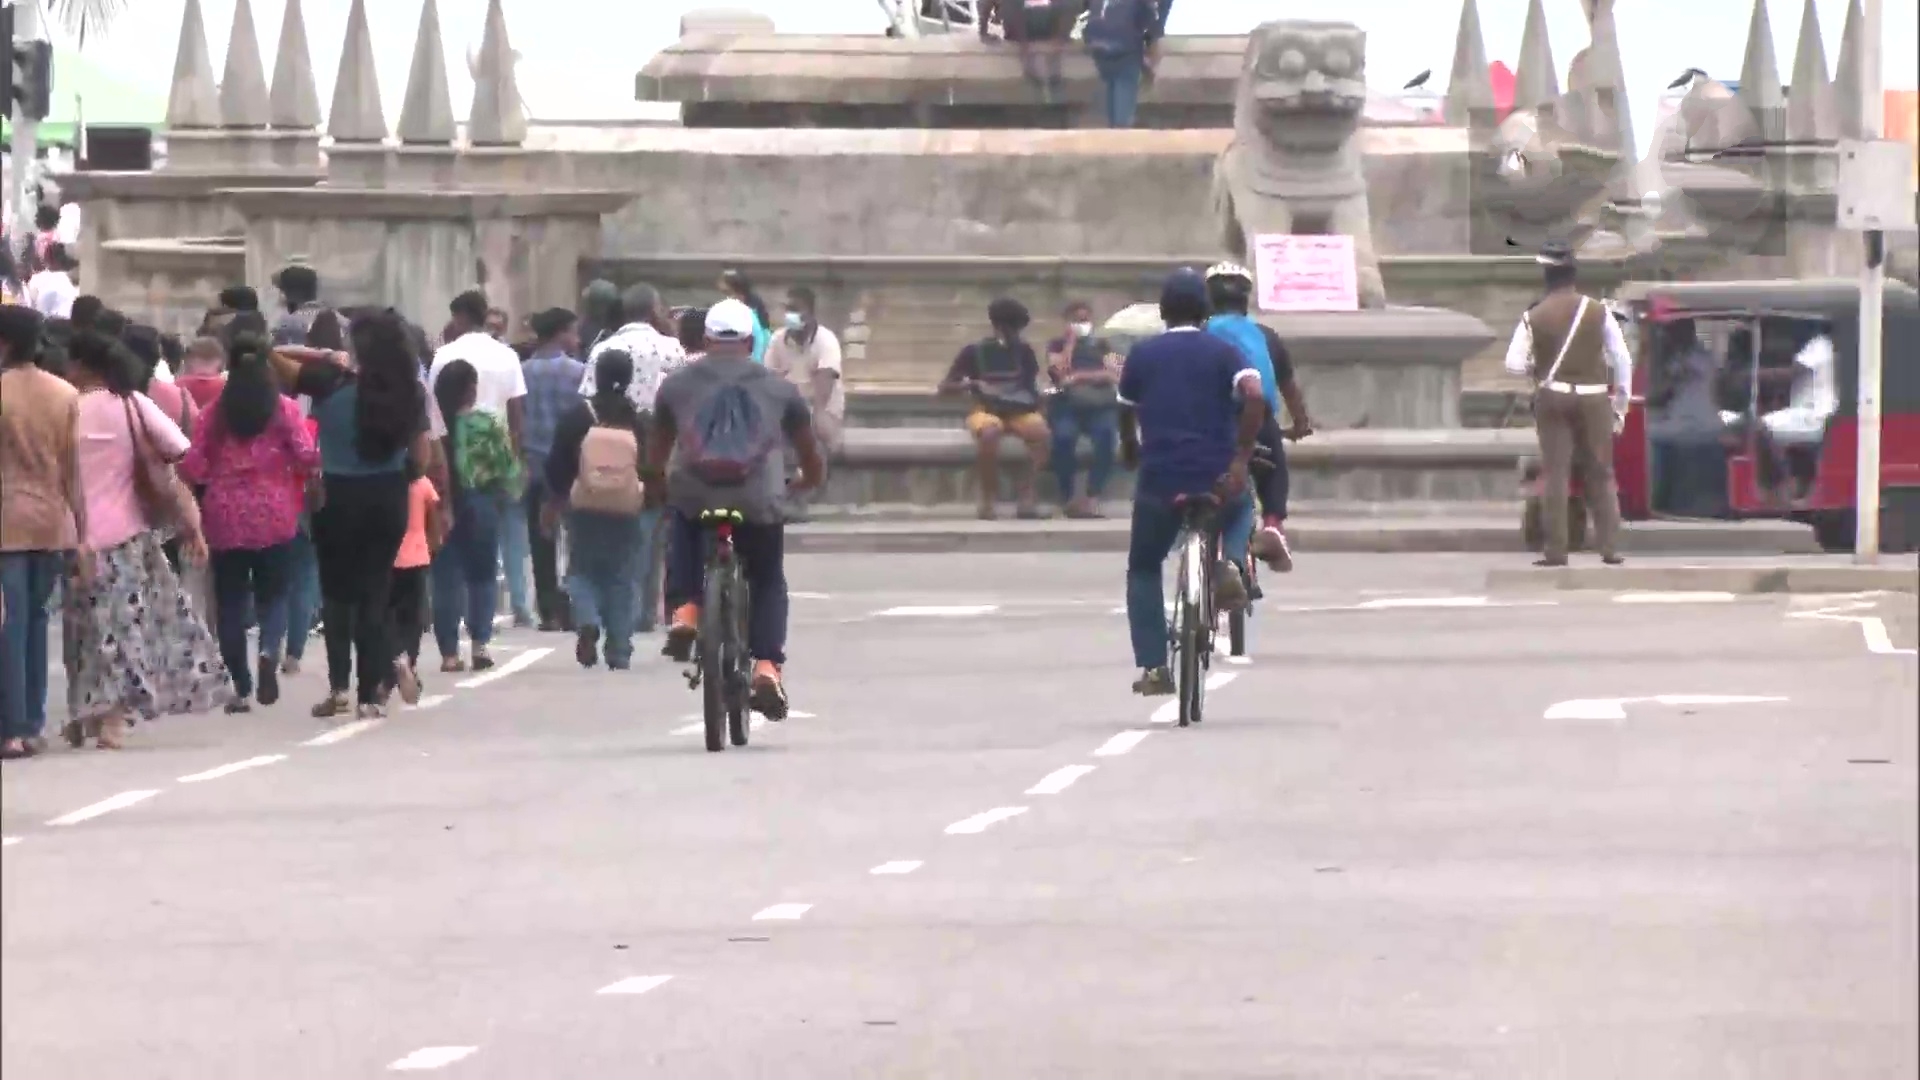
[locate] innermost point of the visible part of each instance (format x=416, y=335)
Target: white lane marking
x=1059, y=780
x=981, y=822
x=519, y=663
x=1675, y=598
x=952, y=611
x=1386, y=603
x=781, y=912
x=638, y=984
x=342, y=733
x=898, y=866
x=1169, y=711
x=1616, y=708
x=1872, y=628
x=809, y=596
x=234, y=767
x=9, y=841
x=430, y=701
x=1243, y=661
x=104, y=806
x=1121, y=743
x=431, y=1057
x=755, y=721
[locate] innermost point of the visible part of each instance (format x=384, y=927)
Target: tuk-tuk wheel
x=1833, y=530
x=1533, y=524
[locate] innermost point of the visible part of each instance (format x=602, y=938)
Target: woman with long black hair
x=371, y=418
x=251, y=453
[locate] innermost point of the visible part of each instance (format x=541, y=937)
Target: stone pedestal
x=243, y=150
x=164, y=204
x=416, y=250
x=439, y=168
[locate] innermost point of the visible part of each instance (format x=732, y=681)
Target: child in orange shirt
x=407, y=601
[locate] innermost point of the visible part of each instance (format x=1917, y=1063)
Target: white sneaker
x=1270, y=547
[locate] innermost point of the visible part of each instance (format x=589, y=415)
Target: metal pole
x=1873, y=280
x=26, y=131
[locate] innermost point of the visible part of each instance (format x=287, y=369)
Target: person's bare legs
x=986, y=446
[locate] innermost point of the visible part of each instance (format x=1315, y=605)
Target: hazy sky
x=580, y=56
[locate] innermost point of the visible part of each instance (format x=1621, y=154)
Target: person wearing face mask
x=1084, y=402
x=808, y=356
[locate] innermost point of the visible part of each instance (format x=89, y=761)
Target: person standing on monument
x=1119, y=35
x=1574, y=352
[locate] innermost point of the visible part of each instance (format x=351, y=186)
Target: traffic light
x=29, y=71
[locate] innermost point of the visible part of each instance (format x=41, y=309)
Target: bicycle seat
x=1196, y=508
x=731, y=517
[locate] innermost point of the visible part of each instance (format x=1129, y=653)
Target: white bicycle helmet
x=1230, y=270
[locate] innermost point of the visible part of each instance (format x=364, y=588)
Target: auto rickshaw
x=1737, y=412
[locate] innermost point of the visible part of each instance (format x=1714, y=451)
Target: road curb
x=1744, y=579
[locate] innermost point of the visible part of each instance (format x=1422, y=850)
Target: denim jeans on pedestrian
x=27, y=579
x=602, y=561
x=1156, y=526
x=250, y=577
x=549, y=600
x=466, y=573
x=647, y=570
x=1120, y=78
x=515, y=552
x=762, y=551
x=1101, y=428
x=303, y=594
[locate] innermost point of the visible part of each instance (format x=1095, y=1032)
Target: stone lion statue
x=1294, y=165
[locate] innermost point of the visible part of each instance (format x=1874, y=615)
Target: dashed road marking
x=430, y=701
x=638, y=984
x=781, y=912
x=898, y=866
x=1674, y=598
x=231, y=768
x=1059, y=780
x=1241, y=661
x=981, y=822
x=431, y=1057
x=9, y=841
x=104, y=806
x=1616, y=708
x=1388, y=603
x=1121, y=743
x=518, y=664
x=956, y=611
x=1872, y=628
x=343, y=732
x=1169, y=711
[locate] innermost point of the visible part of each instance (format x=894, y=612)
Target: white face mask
x=1083, y=329
x=794, y=320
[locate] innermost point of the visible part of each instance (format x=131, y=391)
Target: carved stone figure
x=1294, y=165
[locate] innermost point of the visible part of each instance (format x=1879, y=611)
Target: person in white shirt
x=647, y=337
x=52, y=292
x=1813, y=398
x=502, y=390
x=68, y=231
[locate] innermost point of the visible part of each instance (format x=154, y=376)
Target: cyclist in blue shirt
x=1190, y=414
x=1230, y=296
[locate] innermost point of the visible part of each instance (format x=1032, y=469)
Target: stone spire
x=243, y=85
x=498, y=118
x=1760, y=76
x=293, y=102
x=1848, y=79
x=426, y=116
x=1610, y=120
x=1469, y=100
x=1809, y=99
x=1535, y=83
x=193, y=102
x=356, y=116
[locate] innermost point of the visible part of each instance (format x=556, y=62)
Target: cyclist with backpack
x=721, y=424
x=594, y=471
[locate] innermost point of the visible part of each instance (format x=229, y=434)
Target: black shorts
x=1050, y=21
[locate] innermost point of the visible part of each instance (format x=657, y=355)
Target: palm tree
x=84, y=17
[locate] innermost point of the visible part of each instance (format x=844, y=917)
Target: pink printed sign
x=1306, y=273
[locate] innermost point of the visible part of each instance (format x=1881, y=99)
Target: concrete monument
x=1294, y=165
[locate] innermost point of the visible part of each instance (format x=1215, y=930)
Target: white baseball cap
x=730, y=320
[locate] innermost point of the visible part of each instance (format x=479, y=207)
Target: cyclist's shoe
x=683, y=632
x=768, y=695
x=1229, y=588
x=1154, y=682
x=1270, y=547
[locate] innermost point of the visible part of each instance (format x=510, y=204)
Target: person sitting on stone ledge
x=1085, y=402
x=1002, y=375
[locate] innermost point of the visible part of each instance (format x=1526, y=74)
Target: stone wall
x=168, y=284
x=919, y=312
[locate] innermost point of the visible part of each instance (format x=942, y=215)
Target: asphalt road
x=1424, y=833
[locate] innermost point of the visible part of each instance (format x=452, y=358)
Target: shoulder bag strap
x=1579, y=315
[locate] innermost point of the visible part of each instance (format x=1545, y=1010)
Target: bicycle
x=1192, y=626
x=722, y=665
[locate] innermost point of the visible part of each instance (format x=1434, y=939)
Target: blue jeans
x=1101, y=427
x=466, y=573
x=646, y=570
x=762, y=551
x=602, y=559
x=1121, y=77
x=256, y=579
x=1166, y=9
x=1156, y=525
x=515, y=550
x=27, y=579
x=303, y=594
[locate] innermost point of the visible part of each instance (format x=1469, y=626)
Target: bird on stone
x=1686, y=77
x=1419, y=80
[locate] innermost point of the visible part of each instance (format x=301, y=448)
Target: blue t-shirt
x=1247, y=337
x=335, y=396
x=1180, y=385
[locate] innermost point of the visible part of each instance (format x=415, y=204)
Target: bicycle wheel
x=715, y=647
x=1191, y=643
x=1237, y=632
x=739, y=661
